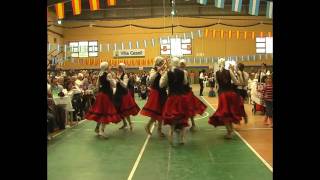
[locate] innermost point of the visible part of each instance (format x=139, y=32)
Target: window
x=84, y=49
x=264, y=45
x=175, y=46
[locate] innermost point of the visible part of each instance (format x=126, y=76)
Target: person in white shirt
x=201, y=79
x=175, y=111
x=242, y=89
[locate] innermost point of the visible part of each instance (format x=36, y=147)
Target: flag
x=202, y=2
x=152, y=41
x=219, y=3
x=60, y=10
x=238, y=34
x=254, y=7
x=111, y=2
x=236, y=5
x=245, y=35
x=145, y=43
x=206, y=32
x=269, y=12
x=221, y=33
x=130, y=45
x=261, y=34
x=199, y=33
x=213, y=34
x=94, y=5
x=76, y=7
x=137, y=45
x=230, y=34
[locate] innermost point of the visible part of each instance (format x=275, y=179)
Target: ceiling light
x=59, y=22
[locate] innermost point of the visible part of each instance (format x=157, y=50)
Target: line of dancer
x=171, y=100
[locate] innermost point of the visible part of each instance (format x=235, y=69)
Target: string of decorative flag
x=254, y=6
x=200, y=33
x=147, y=62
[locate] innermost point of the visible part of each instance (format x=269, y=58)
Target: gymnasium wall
x=201, y=47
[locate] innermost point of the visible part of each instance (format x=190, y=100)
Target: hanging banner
x=206, y=32
x=213, y=33
x=191, y=35
x=108, y=47
x=111, y=2
x=115, y=46
x=269, y=11
x=122, y=46
x=130, y=45
x=245, y=35
x=137, y=45
x=199, y=33
x=236, y=5
x=152, y=41
x=238, y=34
x=261, y=34
x=202, y=2
x=129, y=53
x=221, y=33
x=254, y=7
x=219, y=3
x=59, y=10
x=76, y=7
x=145, y=43
x=94, y=5
x=230, y=34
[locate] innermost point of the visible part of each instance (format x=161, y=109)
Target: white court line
x=66, y=129
x=206, y=115
x=140, y=155
x=250, y=147
x=255, y=152
x=169, y=160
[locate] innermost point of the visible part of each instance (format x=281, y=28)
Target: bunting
x=76, y=7
x=60, y=10
x=94, y=5
x=111, y=2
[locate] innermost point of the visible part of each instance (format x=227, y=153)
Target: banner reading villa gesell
x=129, y=53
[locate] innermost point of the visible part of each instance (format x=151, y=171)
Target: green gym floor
x=79, y=154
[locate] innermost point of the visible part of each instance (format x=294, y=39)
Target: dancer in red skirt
x=228, y=111
x=175, y=111
x=123, y=100
x=196, y=106
x=156, y=99
x=103, y=110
